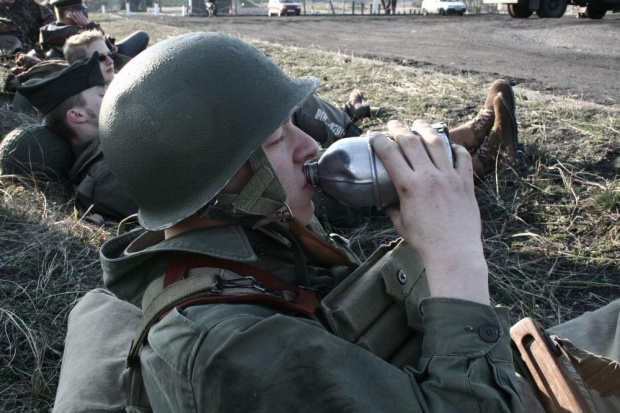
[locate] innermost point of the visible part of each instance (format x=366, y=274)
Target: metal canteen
x=350, y=171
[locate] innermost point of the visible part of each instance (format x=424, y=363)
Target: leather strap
x=181, y=292
x=274, y=287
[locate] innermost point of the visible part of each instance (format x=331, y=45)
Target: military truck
x=593, y=9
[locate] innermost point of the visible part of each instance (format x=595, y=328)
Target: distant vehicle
x=593, y=9
x=443, y=7
x=283, y=8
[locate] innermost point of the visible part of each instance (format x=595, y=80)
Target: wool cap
x=54, y=89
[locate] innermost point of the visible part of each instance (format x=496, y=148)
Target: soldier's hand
x=438, y=214
x=26, y=61
x=79, y=18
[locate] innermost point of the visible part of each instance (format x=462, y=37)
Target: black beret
x=61, y=4
x=54, y=89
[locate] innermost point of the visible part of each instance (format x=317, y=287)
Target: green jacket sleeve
x=96, y=186
x=252, y=358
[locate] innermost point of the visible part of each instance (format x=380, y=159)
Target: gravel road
x=578, y=57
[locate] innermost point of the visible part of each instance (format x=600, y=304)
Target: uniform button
x=489, y=333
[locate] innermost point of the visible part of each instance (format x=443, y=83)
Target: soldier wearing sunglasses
x=71, y=19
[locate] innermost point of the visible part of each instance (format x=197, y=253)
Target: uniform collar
x=84, y=156
x=227, y=242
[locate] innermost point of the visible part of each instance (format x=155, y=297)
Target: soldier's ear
x=76, y=115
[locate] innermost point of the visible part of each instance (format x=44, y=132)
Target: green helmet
x=36, y=151
x=182, y=118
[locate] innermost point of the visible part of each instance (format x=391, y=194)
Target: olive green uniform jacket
x=250, y=357
x=96, y=186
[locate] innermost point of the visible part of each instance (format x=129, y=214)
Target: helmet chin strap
x=261, y=201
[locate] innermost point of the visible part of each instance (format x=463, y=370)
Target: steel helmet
x=36, y=151
x=183, y=116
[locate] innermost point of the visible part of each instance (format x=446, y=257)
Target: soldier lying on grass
x=72, y=18
x=224, y=196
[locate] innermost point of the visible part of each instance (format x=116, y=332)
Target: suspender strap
x=264, y=281
x=244, y=283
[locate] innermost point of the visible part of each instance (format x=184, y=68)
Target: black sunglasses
x=103, y=57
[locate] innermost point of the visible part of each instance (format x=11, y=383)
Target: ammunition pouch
x=377, y=306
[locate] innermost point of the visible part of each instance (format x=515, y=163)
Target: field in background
x=551, y=229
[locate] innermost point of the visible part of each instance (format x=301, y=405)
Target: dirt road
x=568, y=55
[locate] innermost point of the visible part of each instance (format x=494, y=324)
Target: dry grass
x=551, y=233
x=48, y=259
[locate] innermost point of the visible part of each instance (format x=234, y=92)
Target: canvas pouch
x=377, y=306
x=101, y=328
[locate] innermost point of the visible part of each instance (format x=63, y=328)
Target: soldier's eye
x=279, y=141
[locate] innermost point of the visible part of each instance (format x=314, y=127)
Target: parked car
x=443, y=7
x=283, y=8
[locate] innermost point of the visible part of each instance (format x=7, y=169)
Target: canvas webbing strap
x=261, y=201
x=557, y=390
x=244, y=283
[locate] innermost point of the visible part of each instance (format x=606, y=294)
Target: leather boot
x=509, y=138
x=472, y=134
x=356, y=107
x=502, y=140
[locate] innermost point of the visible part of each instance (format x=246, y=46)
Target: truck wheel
x=595, y=12
x=519, y=11
x=442, y=12
x=552, y=8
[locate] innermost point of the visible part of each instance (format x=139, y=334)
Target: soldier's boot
x=501, y=141
x=357, y=108
x=510, y=138
x=472, y=134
